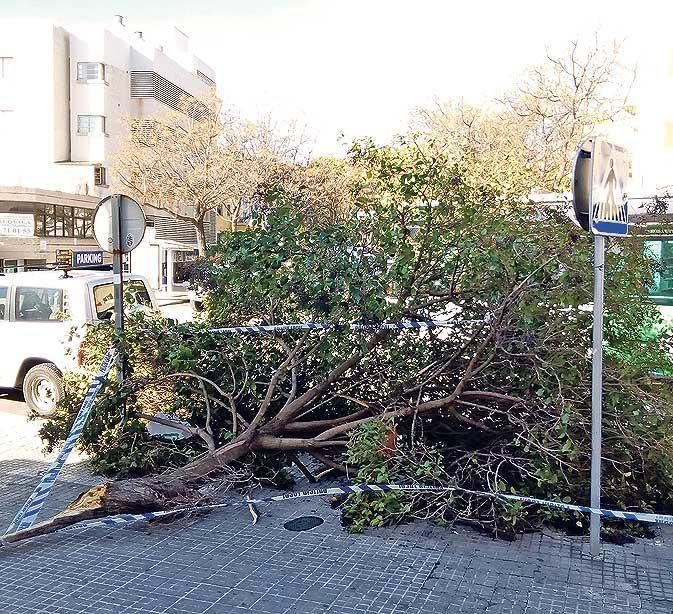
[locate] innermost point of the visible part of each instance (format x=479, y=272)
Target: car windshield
x=135, y=293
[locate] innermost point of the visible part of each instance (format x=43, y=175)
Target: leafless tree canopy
x=529, y=135
x=205, y=158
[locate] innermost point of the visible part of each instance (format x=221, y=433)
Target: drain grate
x=303, y=523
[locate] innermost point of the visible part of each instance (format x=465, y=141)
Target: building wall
x=44, y=161
x=42, y=148
x=23, y=201
x=61, y=95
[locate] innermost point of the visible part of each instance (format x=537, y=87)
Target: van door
x=40, y=325
x=6, y=343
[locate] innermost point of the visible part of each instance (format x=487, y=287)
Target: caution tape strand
x=29, y=511
x=411, y=324
x=124, y=519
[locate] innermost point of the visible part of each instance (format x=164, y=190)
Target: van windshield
x=135, y=293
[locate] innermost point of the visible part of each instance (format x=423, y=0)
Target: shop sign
x=17, y=225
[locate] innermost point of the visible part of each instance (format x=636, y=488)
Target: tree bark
x=201, y=244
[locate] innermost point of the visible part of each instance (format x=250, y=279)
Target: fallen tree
x=501, y=397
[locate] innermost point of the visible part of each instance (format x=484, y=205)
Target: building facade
x=66, y=95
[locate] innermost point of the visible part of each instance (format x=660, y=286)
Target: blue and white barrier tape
x=26, y=516
x=371, y=488
x=423, y=324
x=124, y=519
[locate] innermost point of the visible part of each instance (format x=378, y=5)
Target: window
x=205, y=78
x=661, y=291
x=90, y=71
x=40, y=304
x=34, y=264
x=3, y=302
x=8, y=266
x=59, y=221
x=99, y=175
x=149, y=84
x=135, y=293
x=90, y=124
x=83, y=219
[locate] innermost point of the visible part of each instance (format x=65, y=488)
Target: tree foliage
x=498, y=400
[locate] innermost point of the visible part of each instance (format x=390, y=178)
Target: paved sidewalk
x=221, y=563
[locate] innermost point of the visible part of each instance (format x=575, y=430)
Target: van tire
x=43, y=388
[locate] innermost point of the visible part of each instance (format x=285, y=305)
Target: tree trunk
x=200, y=227
x=234, y=214
x=136, y=495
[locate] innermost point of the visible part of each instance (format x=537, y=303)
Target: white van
x=37, y=312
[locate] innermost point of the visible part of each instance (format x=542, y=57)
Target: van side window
x=40, y=304
x=135, y=293
x=3, y=302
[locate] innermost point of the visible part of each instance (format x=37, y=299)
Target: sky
x=359, y=67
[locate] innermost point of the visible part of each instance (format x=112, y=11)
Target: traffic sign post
x=117, y=271
x=599, y=180
x=118, y=226
x=597, y=395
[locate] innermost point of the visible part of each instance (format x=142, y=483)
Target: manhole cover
x=303, y=523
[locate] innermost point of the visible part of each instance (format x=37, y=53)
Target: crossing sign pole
x=597, y=394
x=119, y=227
x=599, y=180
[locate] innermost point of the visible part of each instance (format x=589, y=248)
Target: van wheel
x=43, y=388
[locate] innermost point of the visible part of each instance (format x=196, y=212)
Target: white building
x=66, y=93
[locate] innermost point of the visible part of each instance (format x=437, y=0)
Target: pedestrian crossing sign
x=610, y=173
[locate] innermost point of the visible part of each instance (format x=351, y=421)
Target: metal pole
x=597, y=394
x=117, y=275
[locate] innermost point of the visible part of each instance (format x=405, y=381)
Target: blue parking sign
x=81, y=259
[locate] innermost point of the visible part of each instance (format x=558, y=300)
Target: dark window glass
x=88, y=227
x=61, y=221
x=49, y=221
x=83, y=222
x=3, y=302
x=9, y=266
x=39, y=304
x=58, y=216
x=39, y=225
x=67, y=222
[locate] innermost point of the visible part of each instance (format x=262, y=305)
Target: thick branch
x=290, y=411
x=314, y=425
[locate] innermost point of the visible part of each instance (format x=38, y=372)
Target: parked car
x=37, y=311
